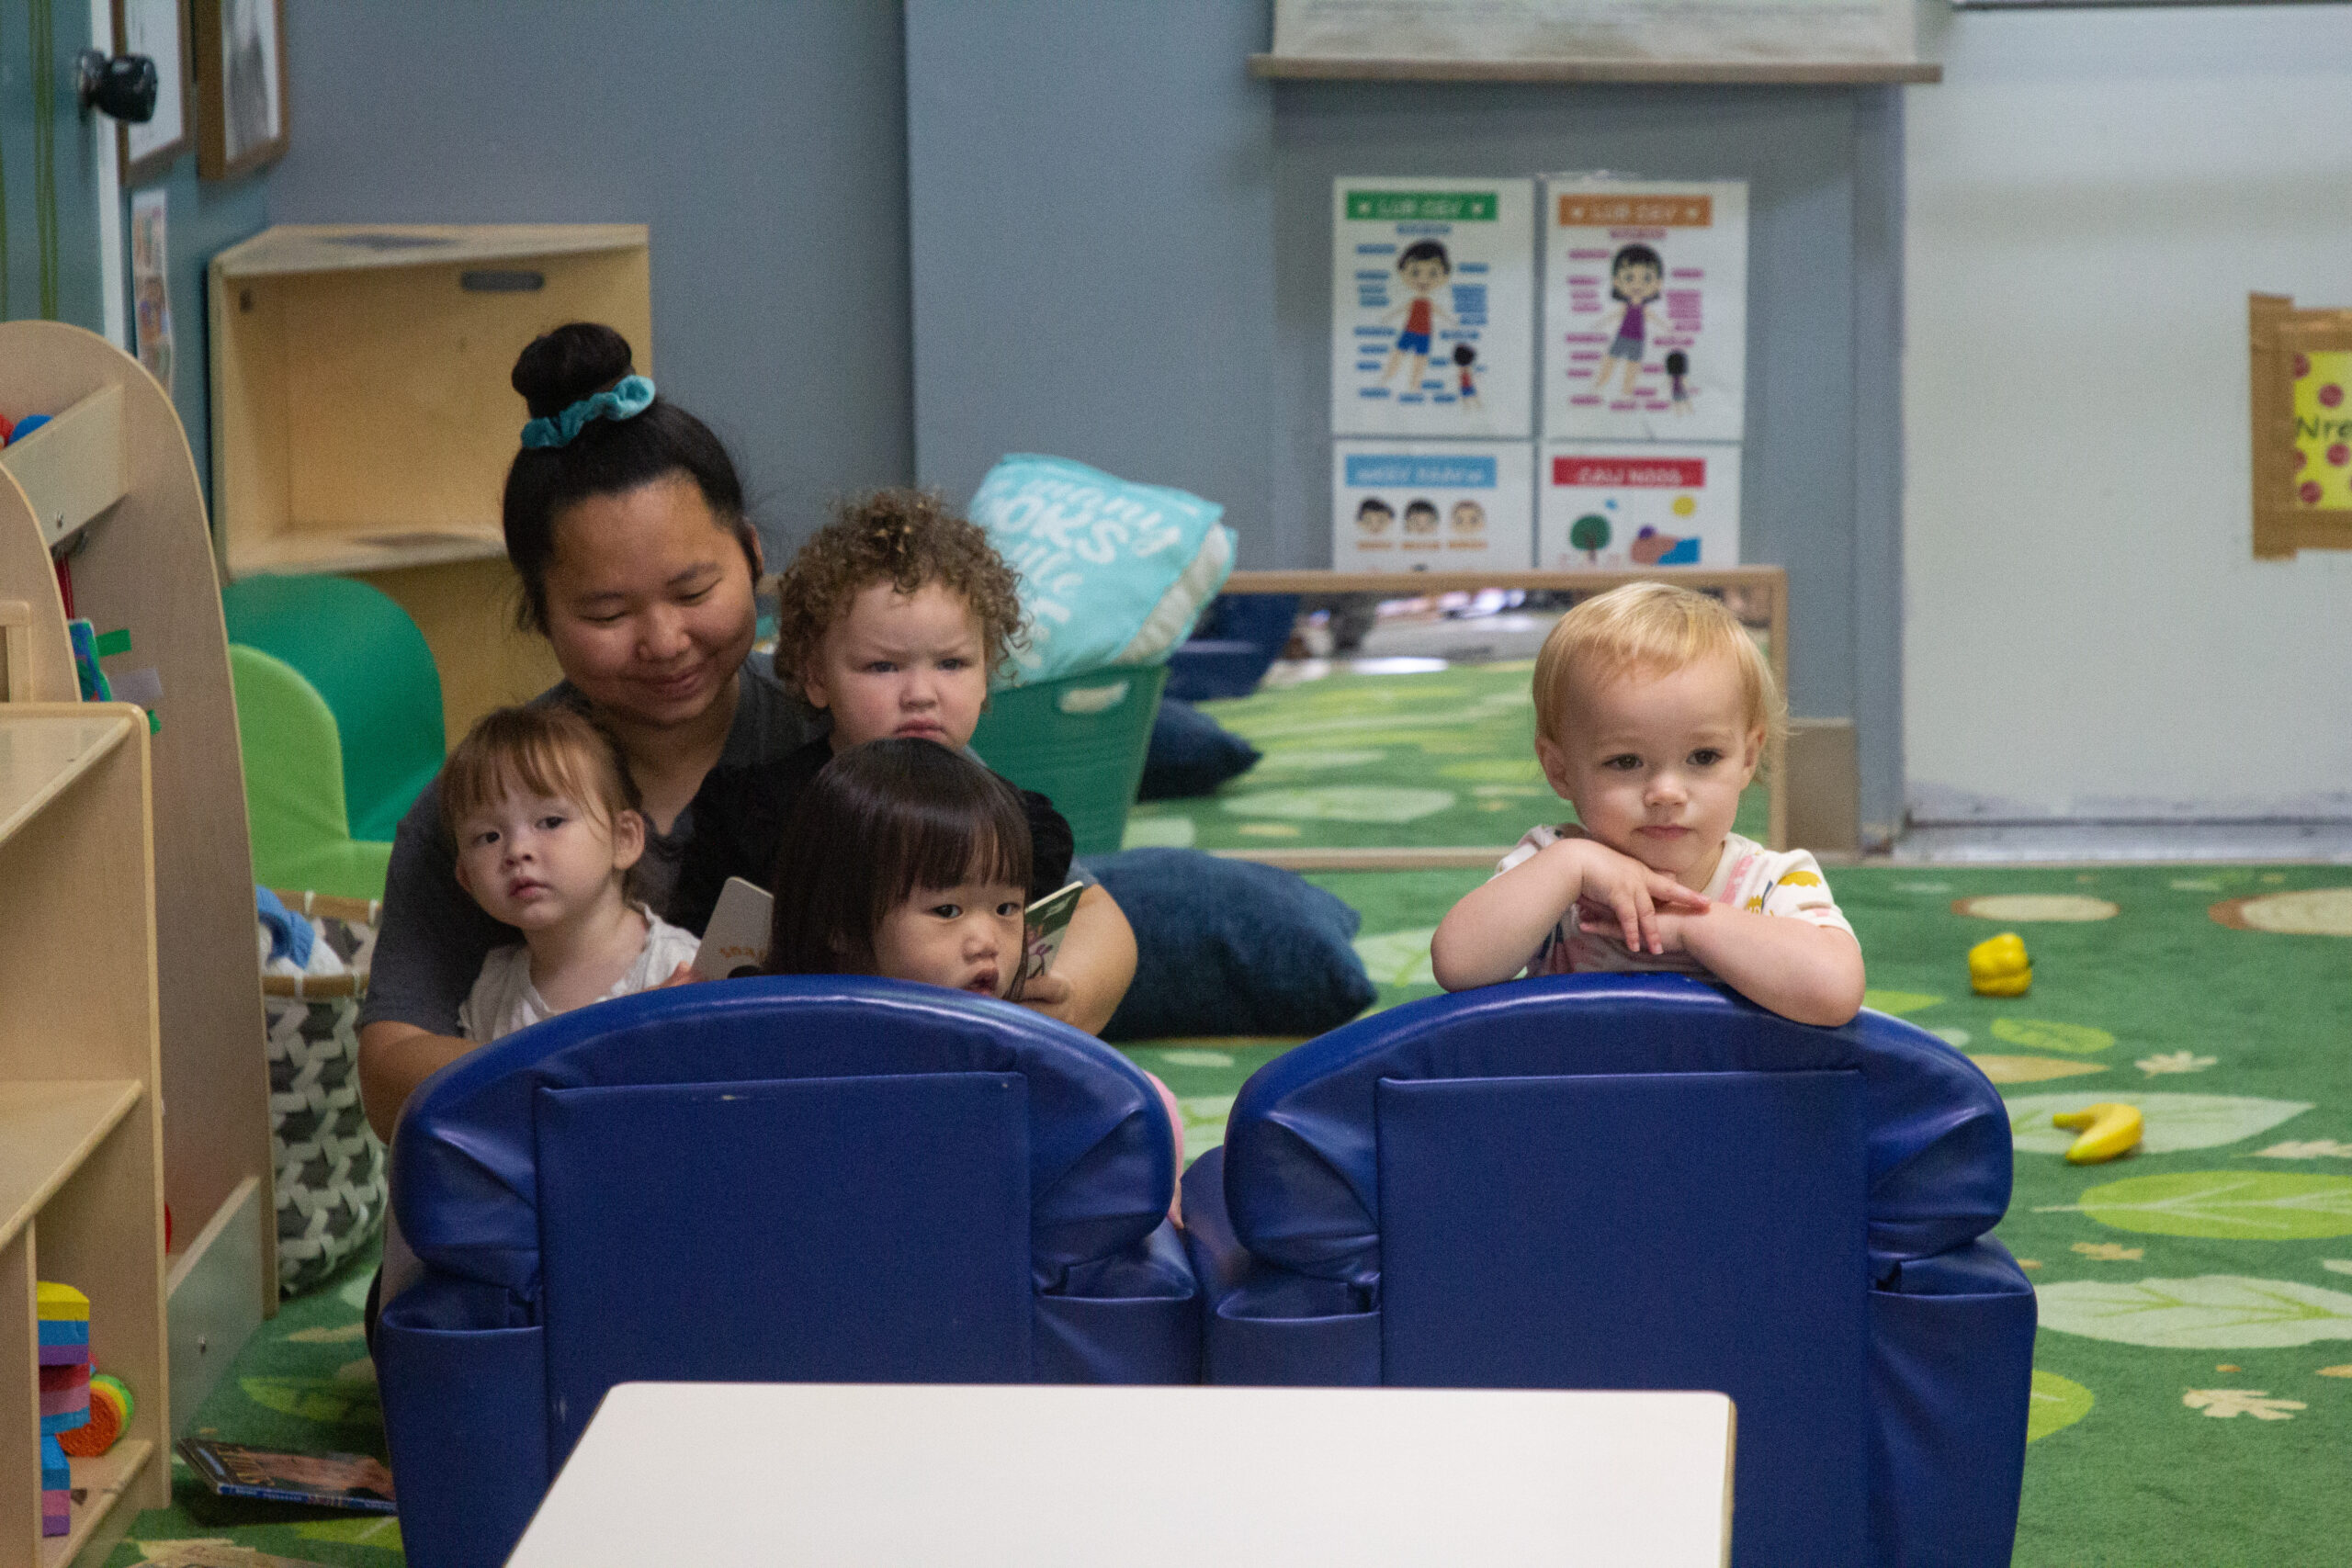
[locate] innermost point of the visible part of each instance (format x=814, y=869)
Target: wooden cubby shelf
x=47, y=1130
x=37, y=760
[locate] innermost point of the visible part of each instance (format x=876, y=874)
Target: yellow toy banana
x=2109, y=1130
x=1998, y=966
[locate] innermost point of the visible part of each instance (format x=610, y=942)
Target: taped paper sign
x=1420, y=506
x=1615, y=508
x=1644, y=309
x=1432, y=306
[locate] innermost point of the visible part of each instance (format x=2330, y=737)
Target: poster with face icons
x=1426, y=506
x=1644, y=309
x=1433, y=306
x=1618, y=507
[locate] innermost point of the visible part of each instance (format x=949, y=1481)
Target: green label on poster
x=1422, y=206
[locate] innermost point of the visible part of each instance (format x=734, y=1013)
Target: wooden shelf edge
x=1435, y=858
x=1413, y=584
x=103, y=1478
x=1689, y=72
x=288, y=249
x=18, y=808
x=73, y=467
x=79, y=1114
x=337, y=555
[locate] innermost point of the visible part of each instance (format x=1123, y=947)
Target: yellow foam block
x=60, y=1304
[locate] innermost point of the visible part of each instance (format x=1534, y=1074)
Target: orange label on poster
x=1587, y=210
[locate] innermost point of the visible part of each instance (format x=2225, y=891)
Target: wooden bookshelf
x=81, y=1132
x=114, y=465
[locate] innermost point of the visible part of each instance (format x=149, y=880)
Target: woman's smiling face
x=648, y=602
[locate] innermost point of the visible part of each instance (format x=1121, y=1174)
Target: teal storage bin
x=1080, y=741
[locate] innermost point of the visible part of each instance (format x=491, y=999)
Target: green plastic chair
x=294, y=785
x=1082, y=740
x=366, y=658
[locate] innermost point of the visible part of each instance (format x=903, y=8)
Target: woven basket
x=331, y=1186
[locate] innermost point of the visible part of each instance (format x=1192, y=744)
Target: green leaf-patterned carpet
x=2193, y=1392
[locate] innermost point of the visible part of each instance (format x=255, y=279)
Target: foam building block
x=64, y=1322
x=111, y=1407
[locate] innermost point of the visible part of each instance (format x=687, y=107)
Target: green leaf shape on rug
x=1899, y=1002
x=379, y=1530
x=1160, y=833
x=2174, y=1121
x=2212, y=1312
x=1282, y=757
x=329, y=1400
x=1397, y=958
x=2222, y=1205
x=2057, y=1404
x=2040, y=1035
x=1341, y=803
x=1204, y=1119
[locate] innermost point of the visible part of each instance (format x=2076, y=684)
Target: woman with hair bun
x=624, y=520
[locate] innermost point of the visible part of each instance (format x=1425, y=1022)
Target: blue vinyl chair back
x=806, y=1180
x=1641, y=1182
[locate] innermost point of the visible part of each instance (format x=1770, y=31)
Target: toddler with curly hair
x=893, y=616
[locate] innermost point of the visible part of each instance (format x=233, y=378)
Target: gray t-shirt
x=434, y=936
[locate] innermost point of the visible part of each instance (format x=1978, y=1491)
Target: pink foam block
x=56, y=1513
x=65, y=1401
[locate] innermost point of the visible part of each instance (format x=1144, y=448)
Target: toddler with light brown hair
x=1653, y=708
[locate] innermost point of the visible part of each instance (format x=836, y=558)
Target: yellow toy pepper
x=2109, y=1130
x=1998, y=966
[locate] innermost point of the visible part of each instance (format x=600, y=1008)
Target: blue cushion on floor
x=1192, y=753
x=1230, y=947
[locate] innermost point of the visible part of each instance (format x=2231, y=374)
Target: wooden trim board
x=1689, y=72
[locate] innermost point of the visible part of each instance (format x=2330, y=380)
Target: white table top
x=939, y=1475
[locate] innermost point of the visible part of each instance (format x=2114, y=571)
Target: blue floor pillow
x=1192, y=753
x=1230, y=947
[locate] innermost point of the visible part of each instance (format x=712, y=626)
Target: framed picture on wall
x=240, y=85
x=2300, y=382
x=158, y=29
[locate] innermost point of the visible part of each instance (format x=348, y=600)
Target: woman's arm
x=1091, y=972
x=394, y=1059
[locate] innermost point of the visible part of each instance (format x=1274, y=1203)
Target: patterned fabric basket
x=331, y=1185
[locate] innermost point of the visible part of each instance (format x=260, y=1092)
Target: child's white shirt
x=504, y=1000
x=1748, y=876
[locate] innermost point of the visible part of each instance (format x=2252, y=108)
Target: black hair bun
x=576, y=360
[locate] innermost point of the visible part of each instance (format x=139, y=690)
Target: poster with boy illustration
x=1644, y=309
x=1617, y=507
x=1432, y=306
x=1423, y=506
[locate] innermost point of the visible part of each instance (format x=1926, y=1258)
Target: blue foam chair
x=1624, y=1181
x=786, y=1179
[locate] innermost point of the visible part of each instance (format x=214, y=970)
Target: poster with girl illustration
x=1432, y=306
x=1431, y=506
x=1644, y=309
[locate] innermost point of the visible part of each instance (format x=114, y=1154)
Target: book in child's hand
x=321, y=1481
x=1048, y=922
x=736, y=940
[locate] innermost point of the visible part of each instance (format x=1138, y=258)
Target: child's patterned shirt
x=1749, y=876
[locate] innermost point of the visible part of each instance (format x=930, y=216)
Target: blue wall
x=1092, y=188
x=73, y=139
x=765, y=143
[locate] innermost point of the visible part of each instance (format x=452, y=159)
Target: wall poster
x=1432, y=306
x=1615, y=508
x=2301, y=381
x=1644, y=309
x=1423, y=506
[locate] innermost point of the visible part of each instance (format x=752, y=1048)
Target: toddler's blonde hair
x=1651, y=628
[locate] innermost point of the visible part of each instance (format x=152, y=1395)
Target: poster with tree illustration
x=1644, y=309
x=1433, y=306
x=1617, y=507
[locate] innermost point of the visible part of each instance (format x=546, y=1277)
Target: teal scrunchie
x=628, y=397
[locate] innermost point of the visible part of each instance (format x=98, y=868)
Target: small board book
x=1432, y=306
x=736, y=942
x=319, y=1480
x=1048, y=922
x=1644, y=309
x=1623, y=507
x=1423, y=506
